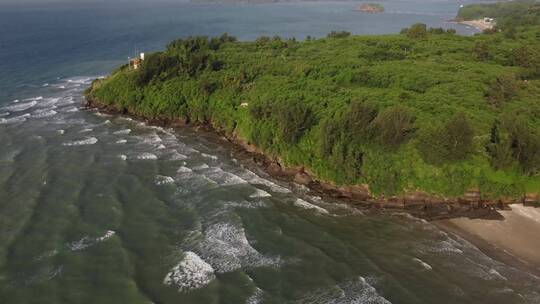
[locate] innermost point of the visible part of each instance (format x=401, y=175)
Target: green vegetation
x=507, y=14
x=425, y=109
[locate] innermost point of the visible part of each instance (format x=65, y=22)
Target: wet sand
x=514, y=241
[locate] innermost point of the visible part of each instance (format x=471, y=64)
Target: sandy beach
x=514, y=241
x=479, y=24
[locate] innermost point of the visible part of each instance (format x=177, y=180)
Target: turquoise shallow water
x=104, y=209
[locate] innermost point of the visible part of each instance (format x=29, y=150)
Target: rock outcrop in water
x=371, y=8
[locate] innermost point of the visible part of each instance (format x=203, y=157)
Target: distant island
x=423, y=119
x=371, y=8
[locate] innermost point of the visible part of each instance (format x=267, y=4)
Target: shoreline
x=497, y=244
x=417, y=203
x=478, y=24
x=445, y=221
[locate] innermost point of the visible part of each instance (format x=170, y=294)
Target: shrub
x=481, y=51
x=417, y=30
x=394, y=125
x=502, y=89
x=294, y=119
x=340, y=34
x=452, y=141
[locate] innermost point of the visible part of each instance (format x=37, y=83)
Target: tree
x=481, y=51
x=459, y=137
x=417, y=30
x=502, y=89
x=451, y=141
x=394, y=125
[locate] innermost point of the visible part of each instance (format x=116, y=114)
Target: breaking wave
x=87, y=141
x=191, y=273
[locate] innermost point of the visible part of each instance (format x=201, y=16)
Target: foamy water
x=175, y=212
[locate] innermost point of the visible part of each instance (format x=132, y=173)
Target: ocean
x=105, y=209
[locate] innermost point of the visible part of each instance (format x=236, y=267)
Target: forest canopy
x=425, y=109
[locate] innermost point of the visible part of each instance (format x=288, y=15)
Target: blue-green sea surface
x=104, y=209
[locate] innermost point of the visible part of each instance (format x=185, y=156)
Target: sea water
x=97, y=208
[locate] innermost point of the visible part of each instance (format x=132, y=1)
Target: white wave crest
x=423, y=264
x=21, y=106
x=351, y=292
x=44, y=113
x=209, y=156
x=254, y=179
x=121, y=141
x=224, y=178
x=163, y=180
x=122, y=132
x=61, y=132
x=86, y=130
x=87, y=141
x=4, y=114
x=184, y=170
x=21, y=118
x=122, y=157
x=86, y=241
x=260, y=193
x=226, y=248
x=147, y=156
x=305, y=205
x=191, y=273
x=200, y=167
x=177, y=156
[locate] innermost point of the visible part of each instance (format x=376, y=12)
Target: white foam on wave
x=82, y=142
x=147, y=156
x=44, y=113
x=260, y=193
x=48, y=102
x=122, y=156
x=200, y=167
x=423, y=264
x=224, y=178
x=71, y=109
x=86, y=241
x=177, y=156
x=254, y=179
x=161, y=147
x=122, y=132
x=352, y=292
x=305, y=205
x=21, y=106
x=191, y=273
x=21, y=118
x=497, y=275
x=527, y=212
x=86, y=130
x=121, y=141
x=226, y=248
x=163, y=180
x=4, y=114
x=209, y=156
x=256, y=297
x=183, y=169
x=152, y=139
x=61, y=132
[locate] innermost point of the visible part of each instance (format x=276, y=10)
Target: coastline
x=417, y=203
x=511, y=241
x=457, y=222
x=478, y=24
